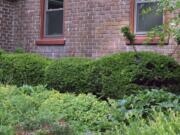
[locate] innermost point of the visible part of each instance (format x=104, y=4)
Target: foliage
x=114, y=76
x=122, y=74
x=145, y=102
x=40, y=110
x=19, y=50
x=178, y=36
x=111, y=76
x=129, y=36
x=168, y=5
x=67, y=74
x=6, y=130
x=2, y=52
x=83, y=112
x=171, y=27
x=22, y=69
x=160, y=124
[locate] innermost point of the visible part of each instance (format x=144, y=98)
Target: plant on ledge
x=128, y=34
x=131, y=38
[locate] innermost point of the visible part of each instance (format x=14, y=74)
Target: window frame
x=135, y=15
x=50, y=40
x=45, y=16
x=139, y=39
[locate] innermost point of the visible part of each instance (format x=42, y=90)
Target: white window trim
x=135, y=15
x=45, y=14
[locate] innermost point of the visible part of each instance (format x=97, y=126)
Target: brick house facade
x=91, y=28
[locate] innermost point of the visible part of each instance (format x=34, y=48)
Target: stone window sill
x=51, y=41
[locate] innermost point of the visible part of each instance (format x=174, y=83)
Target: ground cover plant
x=163, y=124
x=38, y=111
x=144, y=103
x=29, y=109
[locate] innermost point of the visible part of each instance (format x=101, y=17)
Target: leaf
x=122, y=102
x=178, y=4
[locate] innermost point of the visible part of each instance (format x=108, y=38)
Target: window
x=144, y=22
x=52, y=21
x=141, y=23
x=53, y=18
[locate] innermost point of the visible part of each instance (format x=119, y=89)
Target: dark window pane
x=54, y=22
x=55, y=4
x=145, y=22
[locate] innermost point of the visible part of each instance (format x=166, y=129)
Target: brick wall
x=6, y=25
x=27, y=23
x=92, y=28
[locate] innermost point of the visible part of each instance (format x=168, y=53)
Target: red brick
x=92, y=28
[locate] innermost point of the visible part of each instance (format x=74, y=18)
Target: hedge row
x=111, y=76
x=19, y=69
x=125, y=73
x=68, y=74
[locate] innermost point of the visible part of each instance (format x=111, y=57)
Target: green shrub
x=123, y=74
x=22, y=69
x=145, y=102
x=19, y=50
x=68, y=74
x=2, y=52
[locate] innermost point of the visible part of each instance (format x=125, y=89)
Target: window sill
x=50, y=41
x=140, y=40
